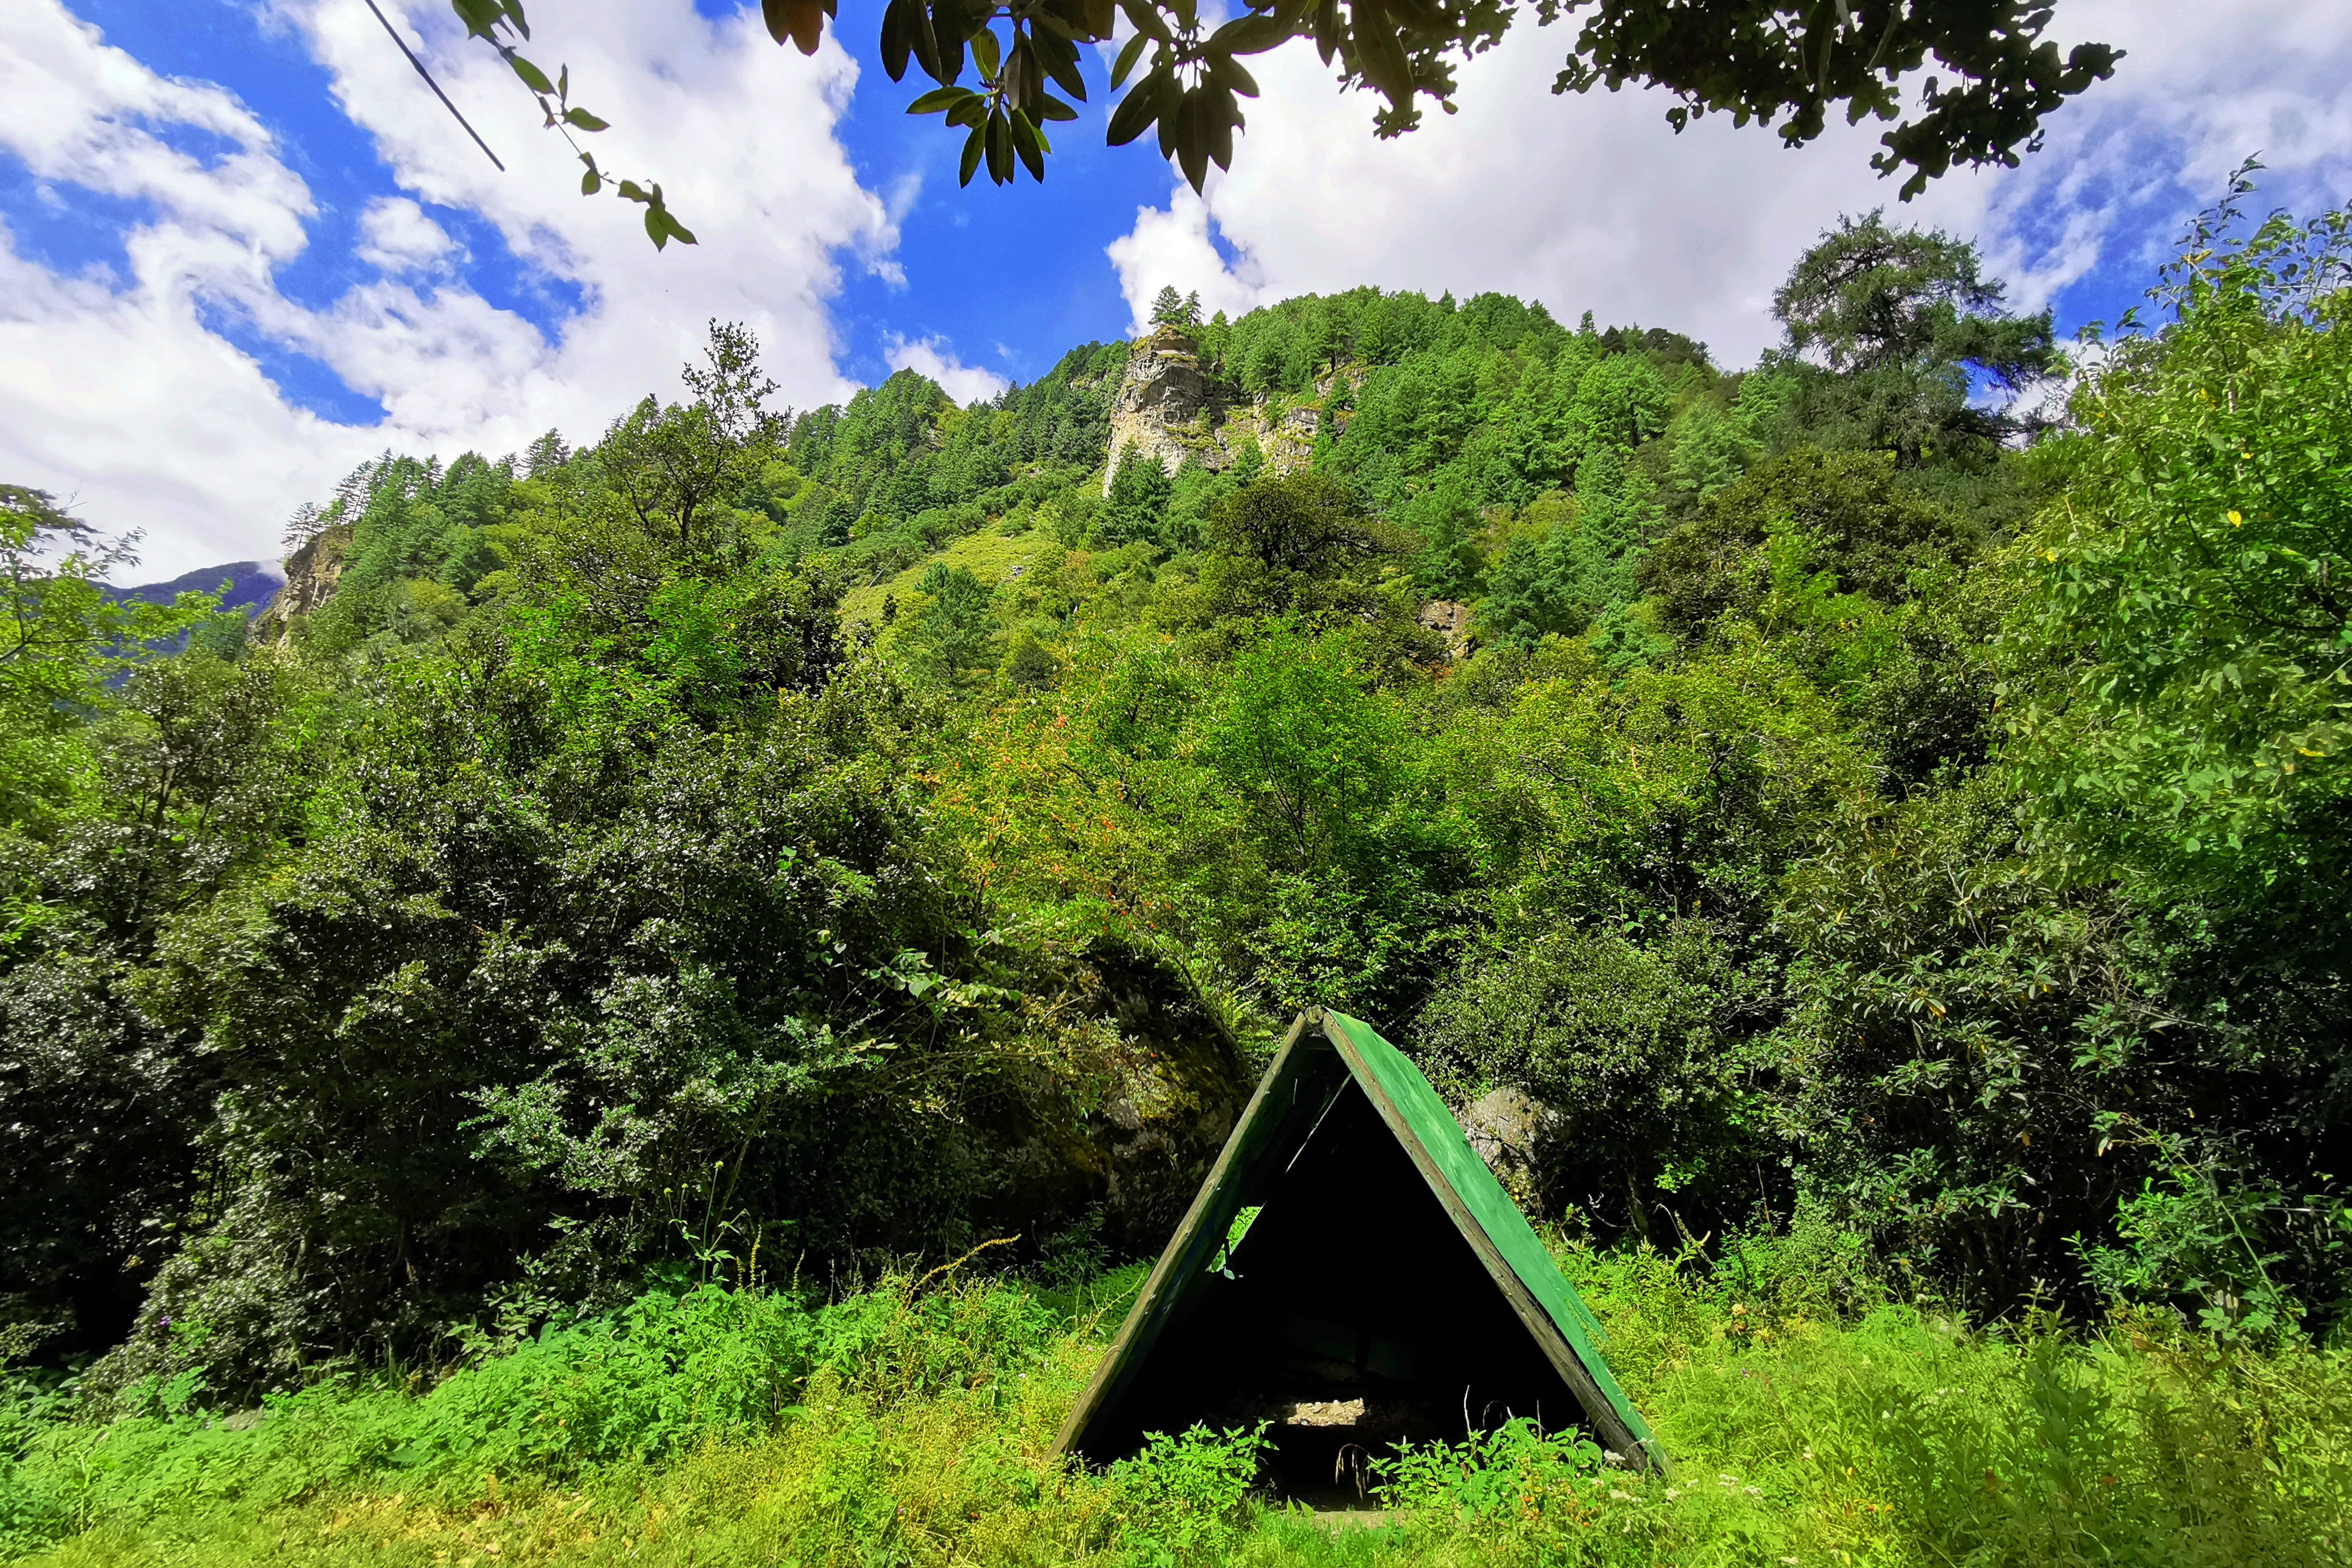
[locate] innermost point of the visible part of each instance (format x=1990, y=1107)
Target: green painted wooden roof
x=1435, y=1128
x=1518, y=1264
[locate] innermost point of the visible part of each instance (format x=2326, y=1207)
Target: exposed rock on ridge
x=311, y=573
x=1168, y=407
x=1159, y=403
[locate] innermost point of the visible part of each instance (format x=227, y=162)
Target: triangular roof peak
x=1350, y=1252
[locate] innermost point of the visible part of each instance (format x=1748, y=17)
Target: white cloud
x=398, y=236
x=113, y=391
x=73, y=110
x=935, y=357
x=1592, y=203
x=1171, y=248
x=739, y=132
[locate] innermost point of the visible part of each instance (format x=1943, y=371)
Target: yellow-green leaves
x=484, y=17
x=941, y=98
x=2200, y=727
x=661, y=226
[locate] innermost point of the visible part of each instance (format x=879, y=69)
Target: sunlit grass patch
x=988, y=555
x=916, y=1427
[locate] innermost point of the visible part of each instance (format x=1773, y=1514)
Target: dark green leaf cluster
x=1753, y=59
x=1758, y=59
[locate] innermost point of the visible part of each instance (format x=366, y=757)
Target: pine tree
x=1446, y=517
x=1531, y=590
x=954, y=639
x=1612, y=513
x=1709, y=451
x=546, y=453
x=1137, y=501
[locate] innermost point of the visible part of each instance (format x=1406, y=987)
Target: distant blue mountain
x=252, y=584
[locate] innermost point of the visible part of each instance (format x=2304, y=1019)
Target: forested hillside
x=1894, y=791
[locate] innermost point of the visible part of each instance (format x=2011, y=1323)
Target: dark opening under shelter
x=1352, y=1273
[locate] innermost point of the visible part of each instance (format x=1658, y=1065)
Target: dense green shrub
x=681, y=849
x=719, y=1424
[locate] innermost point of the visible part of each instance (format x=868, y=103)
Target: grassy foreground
x=911, y=1426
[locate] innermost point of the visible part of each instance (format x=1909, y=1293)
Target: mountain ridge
x=252, y=584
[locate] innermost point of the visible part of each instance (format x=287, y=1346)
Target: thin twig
x=435, y=86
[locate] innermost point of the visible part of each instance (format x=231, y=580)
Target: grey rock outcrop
x=1512, y=1132
x=1449, y=621
x=1159, y=403
x=1164, y=1088
x=1168, y=407
x=311, y=573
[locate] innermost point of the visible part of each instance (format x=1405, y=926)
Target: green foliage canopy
x=2193, y=712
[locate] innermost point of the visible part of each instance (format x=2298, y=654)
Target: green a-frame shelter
x=1381, y=1285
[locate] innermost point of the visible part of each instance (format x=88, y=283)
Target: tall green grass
x=1812, y=1420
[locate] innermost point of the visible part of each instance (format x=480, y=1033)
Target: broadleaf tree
x=1005, y=69
x=2191, y=710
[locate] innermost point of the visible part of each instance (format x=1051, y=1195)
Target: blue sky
x=1015, y=276
x=245, y=247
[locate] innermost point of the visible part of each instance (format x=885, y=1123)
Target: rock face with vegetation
x=1170, y=410
x=652, y=886
x=312, y=572
x=1117, y=1164
x=1162, y=399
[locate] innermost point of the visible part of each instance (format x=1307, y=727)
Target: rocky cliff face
x=1168, y=407
x=311, y=573
x=1159, y=410
x=1449, y=621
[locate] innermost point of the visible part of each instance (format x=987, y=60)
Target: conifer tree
x=1138, y=500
